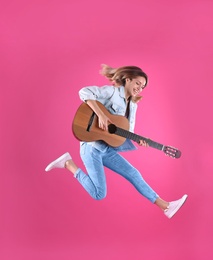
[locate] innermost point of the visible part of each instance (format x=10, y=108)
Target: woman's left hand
x=143, y=143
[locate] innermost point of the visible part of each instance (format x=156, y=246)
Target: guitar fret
x=155, y=145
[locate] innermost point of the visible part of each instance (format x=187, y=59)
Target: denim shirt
x=113, y=98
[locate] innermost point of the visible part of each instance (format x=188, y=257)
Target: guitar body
x=85, y=126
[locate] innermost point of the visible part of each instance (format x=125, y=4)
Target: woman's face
x=133, y=87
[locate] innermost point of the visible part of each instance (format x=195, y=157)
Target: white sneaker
x=174, y=206
x=58, y=163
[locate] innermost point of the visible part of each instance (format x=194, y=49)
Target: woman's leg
x=120, y=165
x=94, y=182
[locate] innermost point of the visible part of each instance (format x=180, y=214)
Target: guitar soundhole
x=112, y=128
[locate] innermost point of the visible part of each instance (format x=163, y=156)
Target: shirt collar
x=122, y=92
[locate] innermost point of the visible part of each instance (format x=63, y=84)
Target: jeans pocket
x=83, y=148
x=100, y=146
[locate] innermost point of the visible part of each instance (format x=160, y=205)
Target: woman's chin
x=134, y=94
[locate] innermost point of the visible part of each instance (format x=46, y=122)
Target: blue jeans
x=95, y=181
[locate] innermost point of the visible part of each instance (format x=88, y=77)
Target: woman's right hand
x=103, y=122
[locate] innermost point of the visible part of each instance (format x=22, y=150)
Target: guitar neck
x=129, y=135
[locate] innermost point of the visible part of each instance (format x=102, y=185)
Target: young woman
x=120, y=98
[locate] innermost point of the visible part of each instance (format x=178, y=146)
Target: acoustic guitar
x=85, y=128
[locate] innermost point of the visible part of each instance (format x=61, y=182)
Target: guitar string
x=137, y=138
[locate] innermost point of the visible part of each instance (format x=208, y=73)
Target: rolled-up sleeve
x=95, y=93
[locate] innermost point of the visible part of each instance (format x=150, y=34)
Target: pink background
x=51, y=49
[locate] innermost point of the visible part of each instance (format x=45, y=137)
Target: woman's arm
x=103, y=120
x=96, y=93
x=93, y=93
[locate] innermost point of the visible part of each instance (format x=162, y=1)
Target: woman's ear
x=128, y=80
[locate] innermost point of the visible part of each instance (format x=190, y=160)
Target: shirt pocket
x=116, y=109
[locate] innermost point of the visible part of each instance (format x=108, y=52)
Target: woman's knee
x=100, y=195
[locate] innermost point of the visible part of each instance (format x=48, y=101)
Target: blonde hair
x=119, y=75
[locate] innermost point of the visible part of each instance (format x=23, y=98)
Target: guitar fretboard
x=129, y=135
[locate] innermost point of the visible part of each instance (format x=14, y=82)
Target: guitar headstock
x=172, y=152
